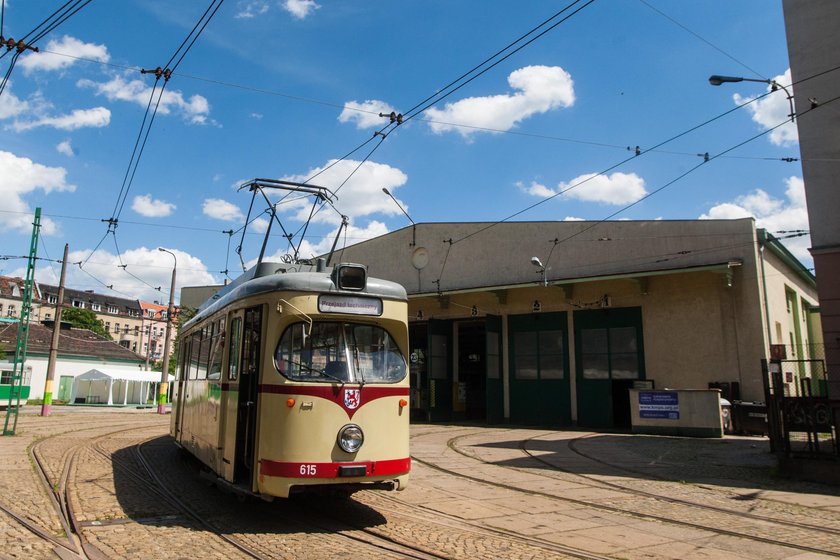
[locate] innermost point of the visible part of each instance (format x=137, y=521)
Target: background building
x=122, y=317
x=154, y=330
x=552, y=322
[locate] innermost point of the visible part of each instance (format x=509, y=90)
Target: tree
x=85, y=319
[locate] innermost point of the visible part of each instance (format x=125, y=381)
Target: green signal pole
x=10, y=425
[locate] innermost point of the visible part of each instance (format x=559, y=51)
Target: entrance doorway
x=472, y=374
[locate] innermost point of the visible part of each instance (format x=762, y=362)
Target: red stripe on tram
x=333, y=470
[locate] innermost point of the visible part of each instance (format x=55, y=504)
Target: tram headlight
x=350, y=438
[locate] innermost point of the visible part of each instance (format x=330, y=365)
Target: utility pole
x=10, y=425
x=47, y=406
x=164, y=370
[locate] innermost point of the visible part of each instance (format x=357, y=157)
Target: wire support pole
x=16, y=388
x=46, y=407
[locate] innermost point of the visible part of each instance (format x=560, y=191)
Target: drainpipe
x=766, y=305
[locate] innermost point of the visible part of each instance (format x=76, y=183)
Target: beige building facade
x=553, y=323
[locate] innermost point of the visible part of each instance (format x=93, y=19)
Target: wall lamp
x=717, y=80
x=540, y=269
x=413, y=225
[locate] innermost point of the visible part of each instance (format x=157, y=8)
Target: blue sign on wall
x=659, y=404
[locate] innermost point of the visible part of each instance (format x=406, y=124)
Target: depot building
x=551, y=323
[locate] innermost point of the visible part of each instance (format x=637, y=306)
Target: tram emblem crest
x=352, y=398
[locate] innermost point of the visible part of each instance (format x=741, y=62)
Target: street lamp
x=716, y=80
x=164, y=373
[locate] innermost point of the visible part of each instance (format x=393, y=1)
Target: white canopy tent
x=116, y=386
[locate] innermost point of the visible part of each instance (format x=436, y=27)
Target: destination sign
x=352, y=305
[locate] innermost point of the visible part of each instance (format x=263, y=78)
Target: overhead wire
x=345, y=107
x=166, y=72
x=701, y=38
x=666, y=185
x=25, y=43
x=449, y=89
x=656, y=146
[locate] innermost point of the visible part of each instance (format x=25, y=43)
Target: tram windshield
x=339, y=352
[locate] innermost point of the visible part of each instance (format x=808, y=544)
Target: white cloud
x=147, y=263
x=70, y=46
x=65, y=148
x=249, y=9
x=618, y=188
x=772, y=214
x=772, y=110
x=11, y=106
x=300, y=8
x=541, y=89
x=259, y=225
x=97, y=117
x=22, y=176
x=194, y=110
x=360, y=196
x=222, y=210
x=366, y=115
x=146, y=206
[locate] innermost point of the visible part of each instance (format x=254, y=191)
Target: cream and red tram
x=295, y=377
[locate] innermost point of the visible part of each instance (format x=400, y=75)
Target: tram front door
x=246, y=421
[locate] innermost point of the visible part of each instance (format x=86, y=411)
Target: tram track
x=51, y=480
x=647, y=504
x=573, y=446
x=302, y=517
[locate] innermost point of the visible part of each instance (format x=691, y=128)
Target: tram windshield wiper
x=317, y=371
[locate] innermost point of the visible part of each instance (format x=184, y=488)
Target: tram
x=294, y=378
x=7, y=370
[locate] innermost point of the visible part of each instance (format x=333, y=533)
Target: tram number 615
x=308, y=470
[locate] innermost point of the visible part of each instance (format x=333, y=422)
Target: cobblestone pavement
x=475, y=492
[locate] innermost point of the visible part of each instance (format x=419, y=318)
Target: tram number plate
x=309, y=470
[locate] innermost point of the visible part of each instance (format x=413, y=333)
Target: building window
x=136, y=330
x=125, y=328
x=609, y=353
x=96, y=307
x=116, y=327
x=47, y=316
x=164, y=315
x=78, y=304
x=107, y=326
x=10, y=310
x=52, y=299
x=113, y=309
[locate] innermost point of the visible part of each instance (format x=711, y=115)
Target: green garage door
x=539, y=365
x=609, y=357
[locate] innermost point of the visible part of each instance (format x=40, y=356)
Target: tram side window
x=216, y=350
x=233, y=355
x=204, y=353
x=195, y=347
x=6, y=377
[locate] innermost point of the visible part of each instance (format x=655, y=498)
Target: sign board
x=352, y=305
x=659, y=404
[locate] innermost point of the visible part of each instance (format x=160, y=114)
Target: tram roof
x=269, y=277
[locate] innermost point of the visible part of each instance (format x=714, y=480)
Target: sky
x=122, y=163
